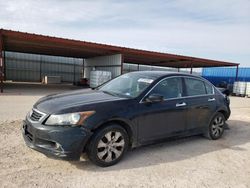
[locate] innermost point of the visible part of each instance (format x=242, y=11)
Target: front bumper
x=56, y=141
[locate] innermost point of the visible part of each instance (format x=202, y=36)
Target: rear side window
x=195, y=87
x=209, y=89
x=169, y=88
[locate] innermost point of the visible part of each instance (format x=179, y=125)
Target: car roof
x=158, y=74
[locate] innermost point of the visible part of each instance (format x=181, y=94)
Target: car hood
x=59, y=102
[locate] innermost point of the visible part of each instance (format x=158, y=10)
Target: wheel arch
x=224, y=112
x=220, y=110
x=123, y=124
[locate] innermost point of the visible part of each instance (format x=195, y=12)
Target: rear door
x=201, y=102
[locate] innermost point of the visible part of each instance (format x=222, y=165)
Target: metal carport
x=15, y=41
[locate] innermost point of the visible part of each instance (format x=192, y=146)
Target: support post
x=74, y=82
x=83, y=68
x=40, y=69
x=191, y=71
x=237, y=72
x=138, y=67
x=178, y=69
x=4, y=66
x=122, y=61
x=1, y=62
x=1, y=71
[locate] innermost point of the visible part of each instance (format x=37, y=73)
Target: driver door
x=168, y=117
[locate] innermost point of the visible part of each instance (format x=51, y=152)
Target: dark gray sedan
x=131, y=110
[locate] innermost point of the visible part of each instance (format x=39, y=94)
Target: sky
x=214, y=29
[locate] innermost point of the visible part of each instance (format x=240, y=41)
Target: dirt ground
x=189, y=162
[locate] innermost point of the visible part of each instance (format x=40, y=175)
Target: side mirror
x=154, y=98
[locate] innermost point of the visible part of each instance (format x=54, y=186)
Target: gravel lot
x=189, y=162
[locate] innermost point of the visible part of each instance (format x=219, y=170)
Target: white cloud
x=211, y=29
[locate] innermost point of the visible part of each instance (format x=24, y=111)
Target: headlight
x=77, y=118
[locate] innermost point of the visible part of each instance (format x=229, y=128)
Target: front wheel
x=108, y=145
x=216, y=127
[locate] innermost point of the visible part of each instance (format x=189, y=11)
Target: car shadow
x=177, y=150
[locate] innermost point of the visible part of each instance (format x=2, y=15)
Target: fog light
x=57, y=146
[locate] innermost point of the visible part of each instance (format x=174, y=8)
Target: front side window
x=128, y=85
x=169, y=88
x=195, y=87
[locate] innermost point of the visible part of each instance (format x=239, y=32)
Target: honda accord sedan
x=132, y=110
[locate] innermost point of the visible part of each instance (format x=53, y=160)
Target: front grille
x=35, y=115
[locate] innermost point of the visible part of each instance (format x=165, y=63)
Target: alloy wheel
x=110, y=146
x=217, y=126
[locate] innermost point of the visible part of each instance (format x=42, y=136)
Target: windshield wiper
x=110, y=93
x=116, y=94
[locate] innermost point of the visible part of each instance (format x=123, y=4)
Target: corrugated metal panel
x=22, y=67
x=110, y=63
x=31, y=67
x=218, y=75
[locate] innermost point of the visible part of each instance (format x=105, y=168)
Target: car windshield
x=128, y=85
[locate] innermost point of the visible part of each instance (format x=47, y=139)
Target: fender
x=129, y=125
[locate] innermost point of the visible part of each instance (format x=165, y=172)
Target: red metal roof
x=39, y=44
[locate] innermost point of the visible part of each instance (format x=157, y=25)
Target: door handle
x=180, y=104
x=211, y=99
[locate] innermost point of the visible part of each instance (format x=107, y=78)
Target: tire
x=108, y=145
x=216, y=127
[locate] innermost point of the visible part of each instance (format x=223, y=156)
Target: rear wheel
x=108, y=145
x=216, y=127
